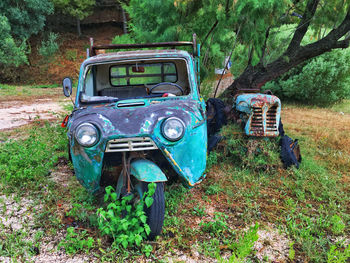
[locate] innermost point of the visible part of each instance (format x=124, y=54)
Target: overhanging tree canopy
x=315, y=15
x=217, y=23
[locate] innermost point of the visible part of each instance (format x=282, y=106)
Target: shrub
x=50, y=46
x=322, y=81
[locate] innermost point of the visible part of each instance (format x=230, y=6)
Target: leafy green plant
x=76, y=242
x=337, y=224
x=244, y=246
x=213, y=189
x=256, y=154
x=337, y=256
x=216, y=227
x=199, y=211
x=291, y=253
x=130, y=229
x=49, y=46
x=212, y=159
x=71, y=54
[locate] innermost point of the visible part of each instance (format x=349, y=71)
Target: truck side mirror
x=67, y=87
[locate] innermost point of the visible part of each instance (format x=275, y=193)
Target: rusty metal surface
x=134, y=46
x=142, y=118
x=187, y=156
x=263, y=113
x=136, y=54
x=172, y=44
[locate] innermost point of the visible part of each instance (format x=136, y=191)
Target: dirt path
x=17, y=113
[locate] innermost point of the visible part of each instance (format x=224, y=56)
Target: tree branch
x=265, y=44
x=303, y=25
x=210, y=31
x=227, y=8
x=251, y=51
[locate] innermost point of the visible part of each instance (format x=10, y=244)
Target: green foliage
x=123, y=39
x=18, y=21
x=337, y=224
x=130, y=229
x=291, y=253
x=256, y=154
x=199, y=211
x=158, y=21
x=49, y=47
x=244, y=247
x=25, y=17
x=71, y=54
x=10, y=52
x=213, y=189
x=79, y=9
x=76, y=242
x=322, y=81
x=217, y=227
x=309, y=231
x=15, y=244
x=26, y=162
x=337, y=256
x=212, y=159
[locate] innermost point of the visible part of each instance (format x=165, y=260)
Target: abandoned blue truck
x=138, y=118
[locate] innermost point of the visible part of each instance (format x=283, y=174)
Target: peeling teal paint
x=264, y=113
x=187, y=156
x=147, y=171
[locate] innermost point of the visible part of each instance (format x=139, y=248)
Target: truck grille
x=131, y=144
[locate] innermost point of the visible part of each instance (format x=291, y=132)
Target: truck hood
x=125, y=121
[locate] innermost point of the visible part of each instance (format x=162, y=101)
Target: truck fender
x=143, y=170
x=147, y=171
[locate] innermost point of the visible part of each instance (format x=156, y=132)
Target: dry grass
x=329, y=130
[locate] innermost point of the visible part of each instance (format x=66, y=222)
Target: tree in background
x=218, y=23
x=18, y=21
x=78, y=9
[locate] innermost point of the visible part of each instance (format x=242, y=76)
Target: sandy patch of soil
x=17, y=113
x=272, y=245
x=15, y=215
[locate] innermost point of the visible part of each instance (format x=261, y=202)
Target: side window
x=89, y=83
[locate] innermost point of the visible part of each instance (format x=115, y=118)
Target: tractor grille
x=271, y=122
x=131, y=144
x=257, y=121
x=257, y=124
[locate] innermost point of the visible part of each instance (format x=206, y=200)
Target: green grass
x=343, y=106
x=246, y=184
x=27, y=92
x=26, y=163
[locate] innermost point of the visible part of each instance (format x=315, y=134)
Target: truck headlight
x=86, y=134
x=173, y=129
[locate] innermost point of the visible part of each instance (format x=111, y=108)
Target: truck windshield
x=136, y=79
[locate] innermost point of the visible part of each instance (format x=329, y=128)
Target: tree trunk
x=125, y=29
x=78, y=27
